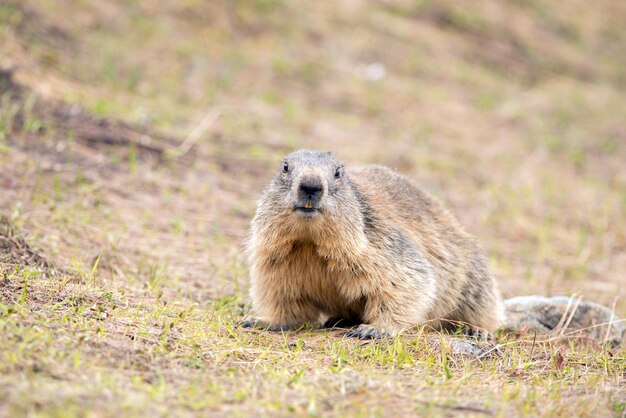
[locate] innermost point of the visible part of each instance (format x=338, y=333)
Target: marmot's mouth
x=306, y=211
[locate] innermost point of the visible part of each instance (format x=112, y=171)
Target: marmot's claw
x=477, y=333
x=248, y=323
x=367, y=332
x=252, y=323
x=262, y=325
x=339, y=322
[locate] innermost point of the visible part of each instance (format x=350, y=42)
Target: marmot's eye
x=338, y=172
x=285, y=167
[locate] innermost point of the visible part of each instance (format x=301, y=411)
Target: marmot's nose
x=311, y=188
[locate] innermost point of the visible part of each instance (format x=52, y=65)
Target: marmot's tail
x=564, y=316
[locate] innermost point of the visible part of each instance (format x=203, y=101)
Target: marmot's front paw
x=368, y=332
x=253, y=323
x=257, y=323
x=477, y=333
x=339, y=322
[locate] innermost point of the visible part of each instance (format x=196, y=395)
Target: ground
x=135, y=138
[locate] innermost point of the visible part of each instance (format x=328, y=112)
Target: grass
x=497, y=109
x=91, y=345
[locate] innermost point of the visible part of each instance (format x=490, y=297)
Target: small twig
x=571, y=316
x=497, y=347
x=196, y=133
x=608, y=329
x=584, y=329
x=532, y=348
x=461, y=408
x=559, y=326
x=558, y=337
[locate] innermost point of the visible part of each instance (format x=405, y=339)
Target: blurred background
x=142, y=132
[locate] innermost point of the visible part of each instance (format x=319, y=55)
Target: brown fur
x=374, y=249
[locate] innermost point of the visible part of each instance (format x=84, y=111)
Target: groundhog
x=363, y=245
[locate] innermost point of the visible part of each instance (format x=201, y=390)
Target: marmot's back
x=404, y=200
x=461, y=274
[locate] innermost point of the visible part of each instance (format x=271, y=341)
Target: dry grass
x=122, y=280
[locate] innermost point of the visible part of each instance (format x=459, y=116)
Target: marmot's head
x=308, y=184
x=310, y=197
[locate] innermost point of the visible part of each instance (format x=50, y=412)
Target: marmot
x=364, y=245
